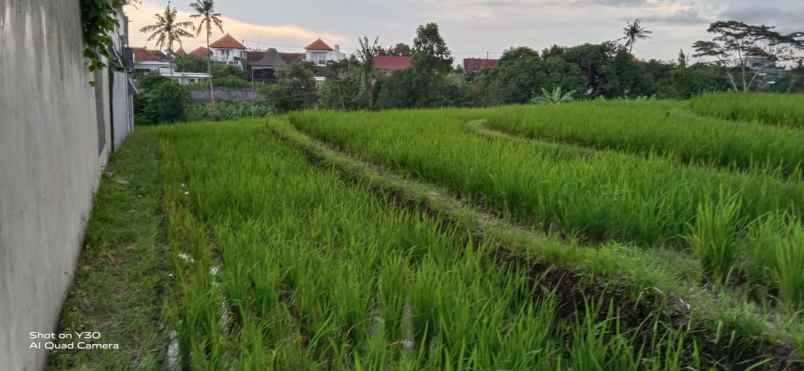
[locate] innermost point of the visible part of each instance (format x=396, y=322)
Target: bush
x=223, y=111
x=160, y=100
x=295, y=90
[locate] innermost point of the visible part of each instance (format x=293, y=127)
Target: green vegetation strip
x=658, y=128
x=721, y=320
x=283, y=266
x=122, y=276
x=727, y=220
x=771, y=109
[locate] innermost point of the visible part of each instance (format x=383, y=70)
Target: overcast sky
x=476, y=28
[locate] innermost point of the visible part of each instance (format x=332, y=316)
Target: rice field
x=284, y=266
x=660, y=128
x=763, y=108
x=588, y=236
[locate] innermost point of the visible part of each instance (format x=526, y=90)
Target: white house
x=150, y=61
x=319, y=53
x=155, y=61
x=229, y=51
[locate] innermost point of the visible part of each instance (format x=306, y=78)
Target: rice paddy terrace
x=587, y=236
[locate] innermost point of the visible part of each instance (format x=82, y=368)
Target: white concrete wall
x=50, y=163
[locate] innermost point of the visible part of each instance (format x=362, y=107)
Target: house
x=263, y=65
x=155, y=61
x=472, y=65
x=200, y=52
x=228, y=50
x=765, y=68
x=319, y=53
x=150, y=61
x=185, y=78
x=392, y=63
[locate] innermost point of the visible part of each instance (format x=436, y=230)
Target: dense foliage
x=160, y=100
x=296, y=88
x=98, y=20
x=221, y=111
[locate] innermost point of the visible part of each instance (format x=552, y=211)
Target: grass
x=622, y=273
x=328, y=276
x=407, y=241
x=600, y=196
x=122, y=274
x=763, y=108
x=663, y=128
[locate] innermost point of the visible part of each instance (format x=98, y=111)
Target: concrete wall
x=119, y=98
x=54, y=139
x=227, y=94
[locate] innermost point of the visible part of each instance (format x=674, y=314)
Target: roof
x=477, y=64
x=200, y=52
x=181, y=52
x=271, y=58
x=392, y=62
x=145, y=55
x=318, y=45
x=268, y=58
x=292, y=57
x=227, y=42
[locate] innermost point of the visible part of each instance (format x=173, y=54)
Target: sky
x=474, y=28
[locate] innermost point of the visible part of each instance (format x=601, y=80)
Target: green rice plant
x=774, y=254
x=763, y=239
x=764, y=108
x=713, y=235
x=657, y=127
x=321, y=274
x=599, y=196
x=790, y=269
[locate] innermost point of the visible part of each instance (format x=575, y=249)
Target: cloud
x=682, y=17
x=788, y=19
x=290, y=37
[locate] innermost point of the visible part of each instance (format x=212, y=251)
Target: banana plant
x=556, y=96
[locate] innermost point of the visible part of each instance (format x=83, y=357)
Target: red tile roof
x=227, y=42
x=200, y=52
x=145, y=55
x=477, y=64
x=392, y=62
x=292, y=57
x=181, y=52
x=319, y=45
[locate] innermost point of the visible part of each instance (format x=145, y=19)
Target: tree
x=295, y=89
x=430, y=52
x=190, y=63
x=366, y=55
x=634, y=31
x=343, y=87
x=736, y=44
x=400, y=49
x=167, y=30
x=682, y=59
x=160, y=100
x=205, y=10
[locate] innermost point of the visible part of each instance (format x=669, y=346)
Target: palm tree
x=167, y=30
x=635, y=31
x=205, y=10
